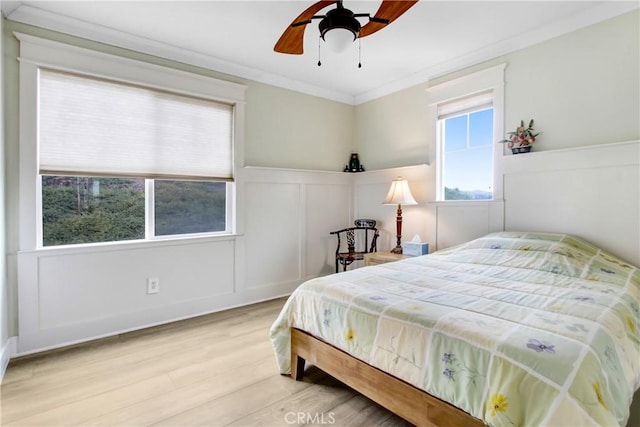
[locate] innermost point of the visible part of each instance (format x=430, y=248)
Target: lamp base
x=397, y=250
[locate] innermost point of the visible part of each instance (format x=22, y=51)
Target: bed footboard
x=401, y=398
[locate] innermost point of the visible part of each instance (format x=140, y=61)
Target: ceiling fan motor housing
x=339, y=18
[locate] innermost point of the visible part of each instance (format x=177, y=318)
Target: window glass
x=186, y=207
x=77, y=209
x=467, y=156
x=456, y=132
x=481, y=128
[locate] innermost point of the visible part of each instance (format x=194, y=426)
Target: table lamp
x=399, y=194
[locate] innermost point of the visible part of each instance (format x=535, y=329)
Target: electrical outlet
x=153, y=285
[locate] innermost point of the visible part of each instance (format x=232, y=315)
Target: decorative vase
x=518, y=150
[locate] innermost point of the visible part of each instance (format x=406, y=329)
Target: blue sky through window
x=468, y=154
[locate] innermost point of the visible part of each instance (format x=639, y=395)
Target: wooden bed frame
x=401, y=398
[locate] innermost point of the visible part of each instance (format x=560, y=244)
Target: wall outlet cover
x=153, y=285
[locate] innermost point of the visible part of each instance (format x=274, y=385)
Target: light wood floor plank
x=359, y=411
x=212, y=370
x=78, y=411
x=54, y=390
x=156, y=409
x=318, y=400
x=233, y=406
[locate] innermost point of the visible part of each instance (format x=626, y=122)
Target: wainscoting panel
x=592, y=192
x=328, y=207
x=106, y=291
x=460, y=222
x=289, y=216
x=273, y=215
x=73, y=294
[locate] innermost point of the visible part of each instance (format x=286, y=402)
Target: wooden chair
x=360, y=239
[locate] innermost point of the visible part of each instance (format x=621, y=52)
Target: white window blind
x=94, y=127
x=465, y=105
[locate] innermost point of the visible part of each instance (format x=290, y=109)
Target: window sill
x=464, y=202
x=131, y=244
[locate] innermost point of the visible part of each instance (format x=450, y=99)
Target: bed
x=509, y=329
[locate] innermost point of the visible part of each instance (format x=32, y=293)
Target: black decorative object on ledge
x=354, y=164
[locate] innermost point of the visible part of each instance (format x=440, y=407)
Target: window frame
x=489, y=79
x=36, y=53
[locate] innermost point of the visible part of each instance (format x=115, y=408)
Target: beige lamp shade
x=399, y=193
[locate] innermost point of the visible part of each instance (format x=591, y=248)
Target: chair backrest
x=360, y=239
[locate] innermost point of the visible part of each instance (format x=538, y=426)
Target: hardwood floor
x=212, y=370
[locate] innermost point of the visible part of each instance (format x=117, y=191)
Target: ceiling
x=237, y=37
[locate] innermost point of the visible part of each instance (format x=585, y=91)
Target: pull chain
x=319, y=63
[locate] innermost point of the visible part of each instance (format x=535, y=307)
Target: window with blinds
x=466, y=147
x=125, y=162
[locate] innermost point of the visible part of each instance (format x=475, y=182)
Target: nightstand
x=375, y=258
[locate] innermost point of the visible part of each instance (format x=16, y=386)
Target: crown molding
x=7, y=7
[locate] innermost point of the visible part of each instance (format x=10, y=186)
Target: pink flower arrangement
x=522, y=136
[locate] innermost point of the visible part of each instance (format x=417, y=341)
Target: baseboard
x=7, y=352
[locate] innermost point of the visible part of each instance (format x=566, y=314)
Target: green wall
x=582, y=88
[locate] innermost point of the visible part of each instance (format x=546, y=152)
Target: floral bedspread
x=513, y=328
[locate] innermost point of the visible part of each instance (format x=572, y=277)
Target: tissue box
x=415, y=248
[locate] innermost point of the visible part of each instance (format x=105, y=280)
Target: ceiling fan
x=339, y=26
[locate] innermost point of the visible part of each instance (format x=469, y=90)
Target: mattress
x=512, y=328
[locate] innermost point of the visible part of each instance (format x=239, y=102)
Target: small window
x=466, y=148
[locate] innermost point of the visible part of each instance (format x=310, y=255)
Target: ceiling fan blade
x=292, y=40
x=389, y=10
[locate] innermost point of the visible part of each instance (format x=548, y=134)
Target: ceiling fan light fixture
x=339, y=28
x=338, y=39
